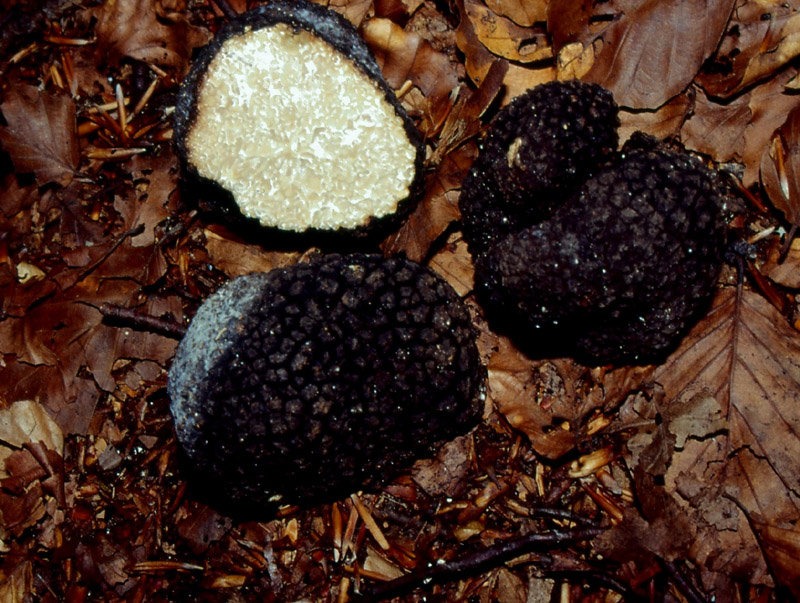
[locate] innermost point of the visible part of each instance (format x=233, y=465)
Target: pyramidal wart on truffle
x=322, y=378
x=286, y=120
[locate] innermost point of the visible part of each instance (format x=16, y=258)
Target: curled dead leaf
x=504, y=37
x=405, y=56
x=762, y=38
x=145, y=31
x=647, y=52
x=41, y=134
x=25, y=422
x=780, y=168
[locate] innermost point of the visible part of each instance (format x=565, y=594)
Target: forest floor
x=675, y=481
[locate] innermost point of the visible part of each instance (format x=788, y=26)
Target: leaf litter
x=682, y=475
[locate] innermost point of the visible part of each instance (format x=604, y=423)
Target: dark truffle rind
x=538, y=151
x=625, y=267
x=340, y=34
x=312, y=381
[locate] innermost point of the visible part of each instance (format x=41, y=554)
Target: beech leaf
x=40, y=135
x=762, y=38
x=650, y=51
x=780, y=168
x=505, y=38
x=745, y=356
x=144, y=30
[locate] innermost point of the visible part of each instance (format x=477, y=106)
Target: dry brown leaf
x=787, y=272
x=477, y=58
x=27, y=422
x=506, y=39
x=741, y=129
x=747, y=358
x=649, y=52
x=522, y=12
x=550, y=400
x=40, y=135
x=405, y=56
x=454, y=263
x=145, y=30
x=155, y=179
x=437, y=209
x=762, y=37
x=663, y=123
x=236, y=259
x=444, y=474
x=780, y=168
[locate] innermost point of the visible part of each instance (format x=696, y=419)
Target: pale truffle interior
x=300, y=136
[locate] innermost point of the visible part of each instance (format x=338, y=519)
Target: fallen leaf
x=740, y=130
x=786, y=272
x=649, y=51
x=26, y=421
x=155, y=179
x=747, y=358
x=235, y=258
x=405, y=56
x=506, y=39
x=438, y=208
x=522, y=12
x=761, y=38
x=454, y=263
x=442, y=475
x=549, y=401
x=780, y=168
x=40, y=135
x=144, y=30
x=663, y=123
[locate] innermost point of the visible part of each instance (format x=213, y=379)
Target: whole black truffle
x=538, y=151
x=286, y=120
x=322, y=378
x=623, y=269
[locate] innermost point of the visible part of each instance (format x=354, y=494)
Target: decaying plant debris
x=677, y=481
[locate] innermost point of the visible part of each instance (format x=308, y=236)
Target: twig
x=480, y=560
x=143, y=322
x=683, y=583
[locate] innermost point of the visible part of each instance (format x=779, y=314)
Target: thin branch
x=478, y=561
x=128, y=317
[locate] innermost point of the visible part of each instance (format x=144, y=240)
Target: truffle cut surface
x=297, y=131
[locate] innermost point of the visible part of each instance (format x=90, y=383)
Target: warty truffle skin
x=538, y=150
x=624, y=268
x=322, y=378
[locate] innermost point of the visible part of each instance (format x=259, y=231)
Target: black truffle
x=312, y=381
x=538, y=151
x=623, y=269
x=286, y=121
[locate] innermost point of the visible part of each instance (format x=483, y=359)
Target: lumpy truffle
x=312, y=381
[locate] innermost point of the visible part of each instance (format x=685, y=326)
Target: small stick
x=143, y=322
x=481, y=560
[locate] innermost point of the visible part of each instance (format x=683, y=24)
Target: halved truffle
x=312, y=381
x=286, y=120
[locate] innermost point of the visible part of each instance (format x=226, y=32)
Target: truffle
x=285, y=120
x=622, y=269
x=538, y=151
x=312, y=381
